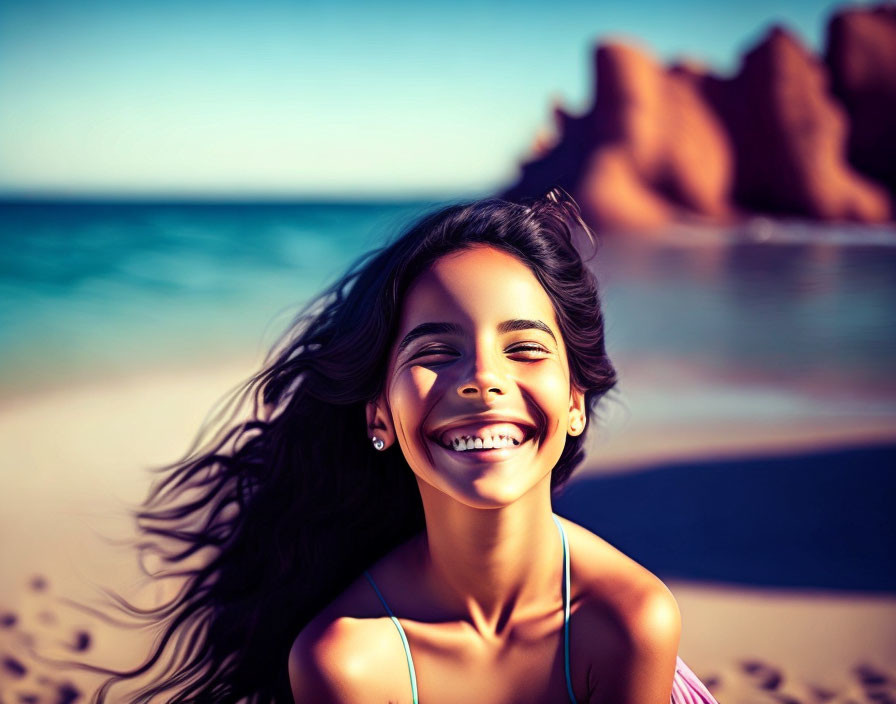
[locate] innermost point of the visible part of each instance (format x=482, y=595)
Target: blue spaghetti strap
x=404, y=640
x=566, y=597
x=407, y=648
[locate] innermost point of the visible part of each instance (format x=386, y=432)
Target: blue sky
x=319, y=99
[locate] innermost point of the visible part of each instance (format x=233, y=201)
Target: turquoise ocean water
x=782, y=318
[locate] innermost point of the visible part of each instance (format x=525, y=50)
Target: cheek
x=422, y=380
x=552, y=388
x=410, y=391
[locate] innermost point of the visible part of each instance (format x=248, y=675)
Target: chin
x=488, y=493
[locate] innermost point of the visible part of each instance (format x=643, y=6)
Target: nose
x=483, y=378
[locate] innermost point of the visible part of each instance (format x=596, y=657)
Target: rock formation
x=789, y=137
x=861, y=58
x=664, y=144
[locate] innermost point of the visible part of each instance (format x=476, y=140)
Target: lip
x=526, y=428
x=493, y=455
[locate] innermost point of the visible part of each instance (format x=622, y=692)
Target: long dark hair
x=272, y=516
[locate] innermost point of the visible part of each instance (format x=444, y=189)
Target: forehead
x=481, y=282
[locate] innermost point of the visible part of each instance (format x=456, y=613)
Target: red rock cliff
x=661, y=144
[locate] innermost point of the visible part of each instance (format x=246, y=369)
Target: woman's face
x=479, y=360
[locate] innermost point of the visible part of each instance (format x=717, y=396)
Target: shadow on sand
x=824, y=520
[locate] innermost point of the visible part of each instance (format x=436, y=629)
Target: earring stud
x=378, y=443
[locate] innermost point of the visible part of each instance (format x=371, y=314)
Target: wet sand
x=768, y=622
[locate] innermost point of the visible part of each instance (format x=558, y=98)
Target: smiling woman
x=395, y=474
x=494, y=369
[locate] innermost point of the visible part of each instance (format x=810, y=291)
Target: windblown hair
x=288, y=503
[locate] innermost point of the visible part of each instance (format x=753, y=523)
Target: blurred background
x=176, y=179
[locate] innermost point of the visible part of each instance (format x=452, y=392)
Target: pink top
x=687, y=689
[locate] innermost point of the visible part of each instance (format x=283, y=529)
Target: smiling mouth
x=490, y=445
x=478, y=445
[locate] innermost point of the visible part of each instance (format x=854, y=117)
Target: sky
x=320, y=99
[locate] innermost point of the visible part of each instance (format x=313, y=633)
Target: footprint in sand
x=82, y=641
x=39, y=624
x=13, y=667
x=766, y=676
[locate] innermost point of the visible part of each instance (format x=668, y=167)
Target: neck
x=492, y=566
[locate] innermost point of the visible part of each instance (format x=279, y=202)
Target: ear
x=379, y=422
x=577, y=416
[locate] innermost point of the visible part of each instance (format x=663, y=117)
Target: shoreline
x=618, y=446
x=648, y=445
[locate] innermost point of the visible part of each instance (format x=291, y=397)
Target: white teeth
x=467, y=443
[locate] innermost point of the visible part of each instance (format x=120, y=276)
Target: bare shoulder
x=318, y=670
x=339, y=655
x=635, y=614
x=606, y=575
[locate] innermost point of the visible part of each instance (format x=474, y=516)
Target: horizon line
x=348, y=197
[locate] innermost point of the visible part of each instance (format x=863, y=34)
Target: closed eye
x=433, y=351
x=528, y=348
x=529, y=353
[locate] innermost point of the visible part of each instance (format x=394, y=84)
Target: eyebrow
x=425, y=329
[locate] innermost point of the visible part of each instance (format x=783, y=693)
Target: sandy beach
x=74, y=461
